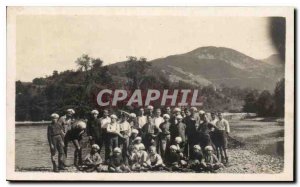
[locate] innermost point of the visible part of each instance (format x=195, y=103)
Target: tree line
x=78, y=89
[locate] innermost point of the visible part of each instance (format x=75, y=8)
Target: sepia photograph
x=150, y=94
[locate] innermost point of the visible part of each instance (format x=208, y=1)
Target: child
x=154, y=161
x=134, y=134
x=197, y=160
x=175, y=160
x=116, y=162
x=138, y=158
x=138, y=142
x=93, y=160
x=55, y=137
x=211, y=162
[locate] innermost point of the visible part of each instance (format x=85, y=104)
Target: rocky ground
x=255, y=146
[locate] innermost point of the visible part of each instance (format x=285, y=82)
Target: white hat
x=178, y=117
x=113, y=116
x=177, y=110
x=81, y=124
x=178, y=139
x=137, y=138
x=150, y=107
x=95, y=146
x=197, y=147
x=208, y=148
x=95, y=112
x=117, y=150
x=134, y=131
x=142, y=147
x=166, y=116
x=173, y=147
x=71, y=111
x=194, y=109
x=201, y=112
x=54, y=116
x=133, y=115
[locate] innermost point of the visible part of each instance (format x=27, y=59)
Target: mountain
x=220, y=65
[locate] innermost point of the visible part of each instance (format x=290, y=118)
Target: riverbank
x=255, y=146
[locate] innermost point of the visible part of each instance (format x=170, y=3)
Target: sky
x=45, y=43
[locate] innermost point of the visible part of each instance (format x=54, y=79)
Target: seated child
x=92, y=161
x=175, y=159
x=211, y=162
x=138, y=142
x=154, y=161
x=138, y=158
x=116, y=162
x=197, y=159
x=180, y=150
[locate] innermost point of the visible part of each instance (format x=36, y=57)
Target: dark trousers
x=113, y=143
x=58, y=144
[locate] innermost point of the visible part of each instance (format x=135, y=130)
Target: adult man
x=113, y=133
x=125, y=131
x=93, y=130
x=164, y=136
x=192, y=123
x=105, y=120
x=150, y=111
x=74, y=134
x=178, y=129
x=149, y=133
x=55, y=138
x=222, y=131
x=204, y=129
x=141, y=119
x=157, y=118
x=67, y=120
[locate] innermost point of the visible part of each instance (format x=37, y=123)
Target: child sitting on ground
x=180, y=150
x=211, y=162
x=154, y=161
x=197, y=159
x=138, y=142
x=175, y=159
x=92, y=161
x=138, y=158
x=116, y=162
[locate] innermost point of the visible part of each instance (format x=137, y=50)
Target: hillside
x=219, y=65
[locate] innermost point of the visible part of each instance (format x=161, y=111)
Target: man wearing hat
x=67, y=120
x=105, y=120
x=164, y=138
x=149, y=133
x=93, y=129
x=55, y=137
x=192, y=122
x=113, y=133
x=178, y=129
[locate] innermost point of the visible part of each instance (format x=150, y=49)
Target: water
x=32, y=148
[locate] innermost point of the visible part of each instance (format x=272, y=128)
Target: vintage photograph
x=150, y=94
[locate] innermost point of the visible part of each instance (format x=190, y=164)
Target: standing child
x=222, y=131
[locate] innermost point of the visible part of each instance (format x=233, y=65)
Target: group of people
x=173, y=140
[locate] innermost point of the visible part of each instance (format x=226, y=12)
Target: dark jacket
x=94, y=128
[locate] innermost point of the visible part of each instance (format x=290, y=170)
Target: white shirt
x=125, y=127
x=113, y=128
x=142, y=120
x=158, y=120
x=223, y=125
x=104, y=122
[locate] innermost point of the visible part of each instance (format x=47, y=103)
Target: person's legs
x=77, y=153
x=61, y=155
